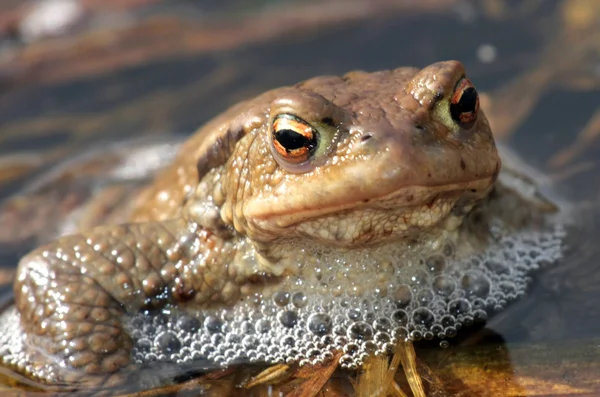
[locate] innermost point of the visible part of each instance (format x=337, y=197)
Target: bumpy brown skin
x=391, y=164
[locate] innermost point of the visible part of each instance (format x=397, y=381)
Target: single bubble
x=378, y=306
x=299, y=300
x=273, y=350
x=416, y=335
x=475, y=284
x=247, y=327
x=369, y=347
x=351, y=348
x=443, y=285
x=424, y=296
x=382, y=337
x=448, y=250
x=369, y=317
x=327, y=341
x=255, y=299
x=188, y=324
x=435, y=263
x=249, y=342
x=459, y=306
x=167, y=343
x=288, y=341
x=323, y=288
x=437, y=328
x=261, y=357
x=281, y=298
x=354, y=314
x=423, y=316
x=219, y=359
x=299, y=333
x=319, y=323
x=402, y=296
x=478, y=303
x=318, y=272
x=288, y=318
x=144, y=345
x=217, y=339
x=346, y=361
x=382, y=324
x=381, y=292
x=313, y=353
x=420, y=277
x=207, y=349
x=400, y=317
x=213, y=324
x=360, y=330
x=151, y=357
x=444, y=344
x=366, y=304
x=480, y=315
x=263, y=326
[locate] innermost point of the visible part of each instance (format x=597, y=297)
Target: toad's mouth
x=418, y=202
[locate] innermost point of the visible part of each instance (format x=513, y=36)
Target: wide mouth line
x=439, y=190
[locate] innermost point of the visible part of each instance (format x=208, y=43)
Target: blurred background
x=77, y=74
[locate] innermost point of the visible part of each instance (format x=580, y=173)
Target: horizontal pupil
x=460, y=107
x=467, y=100
x=291, y=140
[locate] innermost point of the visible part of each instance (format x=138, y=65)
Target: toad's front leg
x=72, y=293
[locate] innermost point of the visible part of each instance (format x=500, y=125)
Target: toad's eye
x=294, y=140
x=464, y=103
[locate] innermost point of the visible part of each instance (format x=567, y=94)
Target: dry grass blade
x=435, y=384
x=393, y=369
x=408, y=357
x=396, y=391
x=309, y=380
x=371, y=380
x=377, y=378
x=272, y=375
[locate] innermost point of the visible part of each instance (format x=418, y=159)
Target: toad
x=368, y=189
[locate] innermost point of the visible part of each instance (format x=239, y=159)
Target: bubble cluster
x=357, y=304
x=433, y=297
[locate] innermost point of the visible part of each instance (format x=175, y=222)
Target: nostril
x=366, y=137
